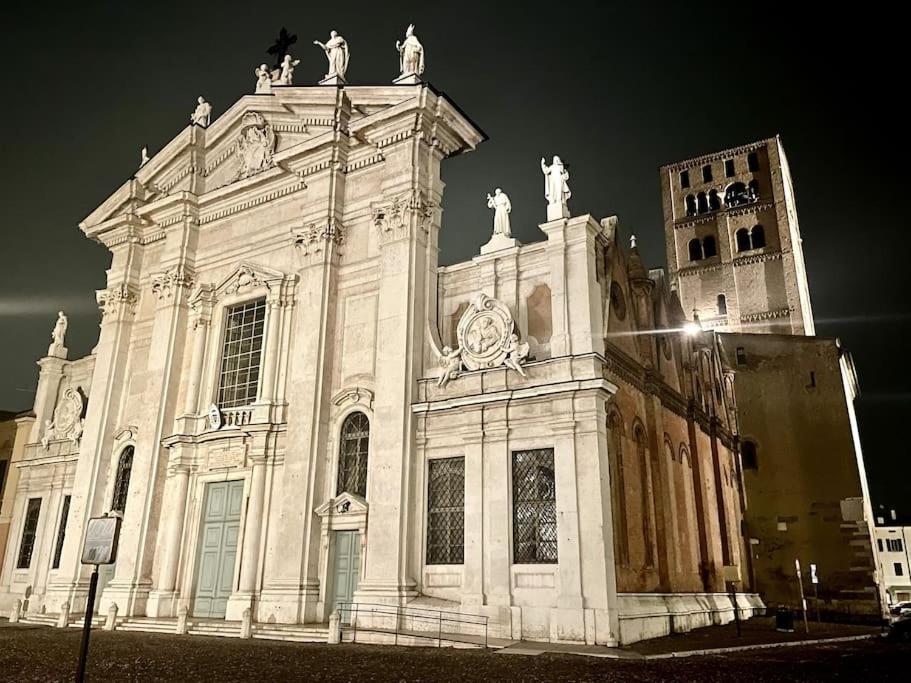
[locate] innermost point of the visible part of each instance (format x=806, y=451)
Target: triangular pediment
x=246, y=276
x=343, y=504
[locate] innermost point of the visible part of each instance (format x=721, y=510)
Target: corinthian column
x=200, y=332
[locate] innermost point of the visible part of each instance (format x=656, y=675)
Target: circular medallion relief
x=483, y=333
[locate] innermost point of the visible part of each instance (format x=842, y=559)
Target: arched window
x=695, y=249
x=122, y=481
x=753, y=190
x=618, y=487
x=709, y=247
x=352, y=457
x=748, y=455
x=742, y=237
x=714, y=200
x=690, y=204
x=722, y=305
x=757, y=237
x=735, y=195
x=646, y=499
x=702, y=203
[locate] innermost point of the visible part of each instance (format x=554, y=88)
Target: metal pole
x=440, y=632
x=816, y=601
x=354, y=632
x=733, y=588
x=397, y=617
x=87, y=625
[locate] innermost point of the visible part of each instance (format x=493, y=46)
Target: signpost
x=100, y=547
x=803, y=600
x=815, y=580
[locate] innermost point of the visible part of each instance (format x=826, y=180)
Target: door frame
x=345, y=512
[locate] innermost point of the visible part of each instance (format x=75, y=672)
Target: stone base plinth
x=333, y=79
x=557, y=211
x=407, y=79
x=499, y=243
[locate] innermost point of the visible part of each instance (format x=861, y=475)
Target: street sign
x=101, y=536
x=813, y=577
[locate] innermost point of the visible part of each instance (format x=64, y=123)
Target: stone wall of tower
x=731, y=231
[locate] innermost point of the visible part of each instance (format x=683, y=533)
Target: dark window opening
x=757, y=237
x=534, y=507
x=29, y=532
x=122, y=480
x=446, y=511
x=695, y=250
x=707, y=173
x=742, y=237
x=702, y=203
x=684, y=179
x=728, y=168
x=812, y=384
x=879, y=544
x=753, y=161
x=748, y=455
x=722, y=305
x=709, y=247
x=741, y=356
x=753, y=190
x=690, y=204
x=353, y=451
x=899, y=569
x=736, y=195
x=714, y=200
x=61, y=532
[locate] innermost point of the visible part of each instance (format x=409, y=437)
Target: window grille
x=61, y=532
x=122, y=482
x=534, y=507
x=352, y=465
x=241, y=354
x=446, y=511
x=29, y=531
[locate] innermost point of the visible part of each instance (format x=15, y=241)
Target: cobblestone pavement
x=37, y=653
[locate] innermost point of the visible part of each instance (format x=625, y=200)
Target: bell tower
x=733, y=242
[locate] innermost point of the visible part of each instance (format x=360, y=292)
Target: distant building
x=735, y=257
x=14, y=428
x=893, y=551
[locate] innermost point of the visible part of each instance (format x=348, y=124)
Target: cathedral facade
x=293, y=407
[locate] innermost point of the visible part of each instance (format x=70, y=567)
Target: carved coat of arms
x=255, y=145
x=68, y=422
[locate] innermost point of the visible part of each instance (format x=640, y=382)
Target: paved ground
x=32, y=653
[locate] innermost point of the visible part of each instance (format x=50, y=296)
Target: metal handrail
x=414, y=613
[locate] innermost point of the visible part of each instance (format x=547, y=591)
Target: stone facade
x=893, y=551
x=593, y=491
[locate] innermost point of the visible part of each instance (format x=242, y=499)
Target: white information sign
x=813, y=577
x=101, y=538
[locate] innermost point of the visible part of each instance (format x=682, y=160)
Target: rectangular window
x=879, y=544
x=29, y=530
x=446, y=511
x=2, y=477
x=534, y=507
x=61, y=532
x=899, y=569
x=753, y=161
x=241, y=354
x=729, y=168
x=684, y=179
x=894, y=545
x=707, y=173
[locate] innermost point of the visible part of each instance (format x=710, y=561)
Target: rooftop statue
x=202, y=115
x=58, y=335
x=556, y=189
x=502, y=207
x=286, y=72
x=263, y=80
x=336, y=49
x=411, y=54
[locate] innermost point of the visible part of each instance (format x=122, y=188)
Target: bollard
x=246, y=624
x=64, y=617
x=182, y=620
x=15, y=613
x=111, y=622
x=335, y=631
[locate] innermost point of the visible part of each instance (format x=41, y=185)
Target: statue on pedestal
x=411, y=54
x=502, y=207
x=336, y=49
x=287, y=70
x=263, y=80
x=202, y=115
x=58, y=335
x=556, y=189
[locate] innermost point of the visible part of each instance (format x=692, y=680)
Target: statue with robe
x=336, y=49
x=411, y=54
x=202, y=115
x=556, y=176
x=287, y=70
x=502, y=207
x=58, y=335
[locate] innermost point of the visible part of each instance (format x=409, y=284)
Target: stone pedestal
x=499, y=243
x=407, y=79
x=557, y=211
x=333, y=79
x=57, y=351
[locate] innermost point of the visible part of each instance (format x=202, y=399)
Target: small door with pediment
x=218, y=548
x=347, y=565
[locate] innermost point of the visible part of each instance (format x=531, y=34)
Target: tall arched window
x=742, y=237
x=748, y=455
x=695, y=249
x=709, y=247
x=714, y=200
x=735, y=194
x=122, y=481
x=690, y=203
x=352, y=457
x=645, y=498
x=753, y=190
x=757, y=237
x=702, y=203
x=618, y=486
x=722, y=305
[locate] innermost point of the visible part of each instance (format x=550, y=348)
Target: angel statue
x=450, y=364
x=263, y=80
x=202, y=115
x=336, y=49
x=517, y=352
x=411, y=54
x=287, y=70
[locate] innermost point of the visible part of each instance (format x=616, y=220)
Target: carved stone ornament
x=165, y=284
x=213, y=417
x=487, y=339
x=314, y=238
x=113, y=299
x=67, y=422
x=255, y=145
x=245, y=278
x=393, y=219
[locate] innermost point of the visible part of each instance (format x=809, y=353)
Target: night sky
x=616, y=91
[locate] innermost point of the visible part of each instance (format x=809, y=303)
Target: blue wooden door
x=217, y=548
x=347, y=566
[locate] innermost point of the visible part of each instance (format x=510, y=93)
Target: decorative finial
x=632, y=241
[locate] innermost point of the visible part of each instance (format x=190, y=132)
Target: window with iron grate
x=122, y=482
x=29, y=532
x=352, y=461
x=446, y=511
x=534, y=507
x=241, y=354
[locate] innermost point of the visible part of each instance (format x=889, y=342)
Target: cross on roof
x=280, y=49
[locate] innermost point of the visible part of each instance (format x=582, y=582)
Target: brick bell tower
x=734, y=249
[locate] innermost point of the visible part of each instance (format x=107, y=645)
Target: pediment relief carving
x=355, y=395
x=343, y=504
x=126, y=433
x=248, y=277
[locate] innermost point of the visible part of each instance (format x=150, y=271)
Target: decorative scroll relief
x=487, y=339
x=113, y=299
x=393, y=219
x=165, y=284
x=67, y=422
x=255, y=145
